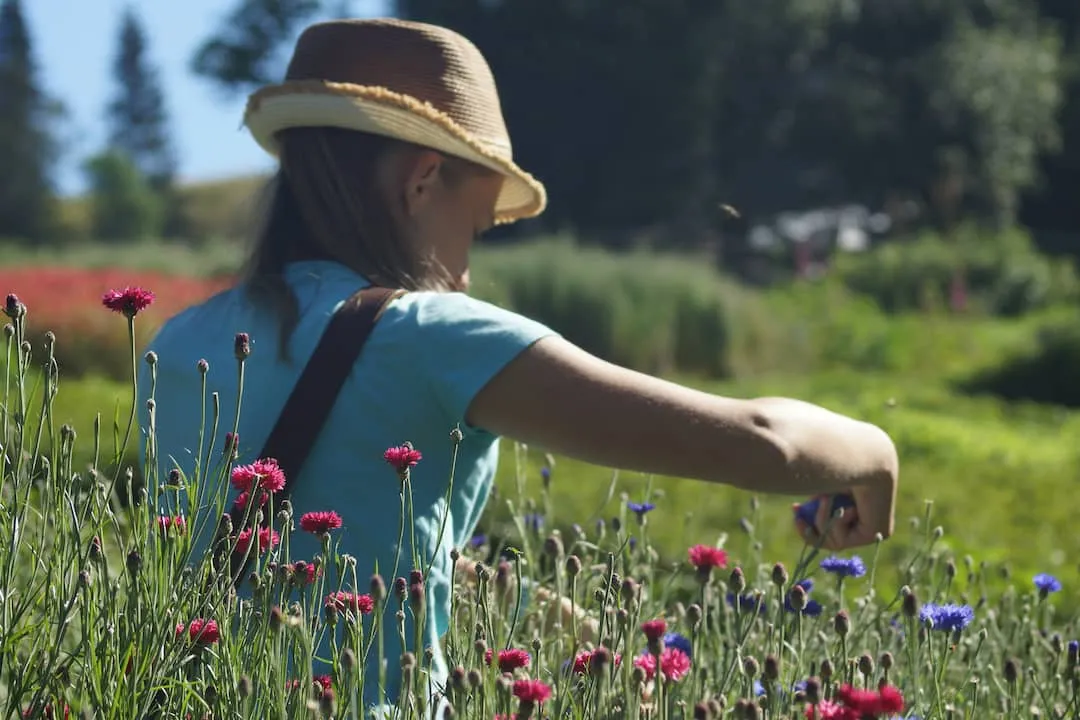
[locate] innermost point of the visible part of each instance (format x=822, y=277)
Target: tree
x=28, y=149
x=245, y=50
x=123, y=206
x=137, y=116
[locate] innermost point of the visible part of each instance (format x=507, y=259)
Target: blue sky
x=74, y=43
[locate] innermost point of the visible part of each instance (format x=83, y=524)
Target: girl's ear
x=421, y=174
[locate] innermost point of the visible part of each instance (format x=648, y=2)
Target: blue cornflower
x=1047, y=584
x=679, y=642
x=478, y=540
x=640, y=509
x=947, y=617
x=545, y=474
x=844, y=567
x=747, y=603
x=759, y=689
x=534, y=521
x=633, y=542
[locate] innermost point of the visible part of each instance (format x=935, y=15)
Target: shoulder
x=456, y=313
x=454, y=342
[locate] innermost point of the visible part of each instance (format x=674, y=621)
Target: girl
x=394, y=157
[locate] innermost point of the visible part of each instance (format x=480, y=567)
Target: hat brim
x=380, y=111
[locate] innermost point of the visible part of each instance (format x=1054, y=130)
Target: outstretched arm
x=556, y=395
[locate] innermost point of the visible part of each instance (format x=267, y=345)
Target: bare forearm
x=557, y=396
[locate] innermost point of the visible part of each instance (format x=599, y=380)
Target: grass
x=997, y=475
x=128, y=633
x=994, y=471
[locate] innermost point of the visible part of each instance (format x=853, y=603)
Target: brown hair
x=324, y=203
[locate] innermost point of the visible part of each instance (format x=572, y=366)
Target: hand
x=867, y=512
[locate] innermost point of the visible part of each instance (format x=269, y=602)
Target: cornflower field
x=105, y=611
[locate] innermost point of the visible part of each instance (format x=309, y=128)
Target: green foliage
x=138, y=121
x=123, y=205
x=1004, y=272
x=27, y=146
x=640, y=310
x=1044, y=371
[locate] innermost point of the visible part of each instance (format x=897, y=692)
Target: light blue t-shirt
x=426, y=359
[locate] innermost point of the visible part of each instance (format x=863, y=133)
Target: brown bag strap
x=313, y=397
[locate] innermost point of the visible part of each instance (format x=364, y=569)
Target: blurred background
x=870, y=204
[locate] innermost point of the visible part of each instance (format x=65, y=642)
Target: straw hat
x=418, y=83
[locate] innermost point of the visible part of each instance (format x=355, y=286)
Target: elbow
x=769, y=461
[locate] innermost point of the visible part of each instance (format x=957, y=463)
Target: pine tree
x=138, y=120
x=27, y=150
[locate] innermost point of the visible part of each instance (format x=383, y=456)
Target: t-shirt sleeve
x=464, y=342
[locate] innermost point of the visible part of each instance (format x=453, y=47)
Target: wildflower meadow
x=106, y=611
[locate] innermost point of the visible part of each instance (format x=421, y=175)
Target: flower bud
x=772, y=667
x=242, y=346
x=842, y=623
x=737, y=581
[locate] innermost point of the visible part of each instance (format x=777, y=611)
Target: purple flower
x=679, y=642
x=747, y=603
x=1047, y=584
x=640, y=509
x=534, y=521
x=844, y=567
x=947, y=617
x=478, y=540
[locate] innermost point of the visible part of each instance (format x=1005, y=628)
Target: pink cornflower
x=242, y=499
x=321, y=522
x=402, y=457
x=654, y=629
x=263, y=473
x=508, y=660
x=267, y=539
x=705, y=557
x=674, y=664
x=584, y=660
x=129, y=301
x=203, y=632
x=829, y=710
x=886, y=700
x=305, y=572
x=531, y=692
x=178, y=523
x=341, y=600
